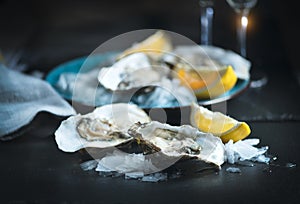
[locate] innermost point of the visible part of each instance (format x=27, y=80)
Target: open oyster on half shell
x=115, y=124
x=134, y=71
x=107, y=126
x=180, y=141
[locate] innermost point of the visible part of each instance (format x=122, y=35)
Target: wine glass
x=242, y=8
x=206, y=20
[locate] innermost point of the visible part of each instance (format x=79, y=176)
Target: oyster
x=180, y=141
x=132, y=72
x=106, y=126
x=214, y=58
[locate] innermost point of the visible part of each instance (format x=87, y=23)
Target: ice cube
x=134, y=175
x=243, y=150
x=290, y=165
x=155, y=177
x=102, y=168
x=125, y=163
x=262, y=159
x=89, y=165
x=233, y=170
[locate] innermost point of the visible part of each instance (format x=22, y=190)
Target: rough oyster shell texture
x=180, y=141
x=115, y=124
x=132, y=72
x=105, y=127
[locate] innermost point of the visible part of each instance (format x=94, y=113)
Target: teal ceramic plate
x=74, y=66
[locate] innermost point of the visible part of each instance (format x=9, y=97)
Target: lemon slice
x=155, y=45
x=206, y=82
x=218, y=124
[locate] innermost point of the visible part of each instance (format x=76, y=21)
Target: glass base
x=258, y=79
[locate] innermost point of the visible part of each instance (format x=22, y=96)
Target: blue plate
x=75, y=65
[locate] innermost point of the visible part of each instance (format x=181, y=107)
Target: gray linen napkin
x=22, y=97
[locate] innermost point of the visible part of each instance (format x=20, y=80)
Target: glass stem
x=241, y=33
x=206, y=25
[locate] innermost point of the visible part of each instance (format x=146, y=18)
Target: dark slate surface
x=47, y=33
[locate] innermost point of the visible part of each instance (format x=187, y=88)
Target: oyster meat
x=180, y=141
x=132, y=72
x=106, y=126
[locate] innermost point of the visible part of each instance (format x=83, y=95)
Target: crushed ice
x=233, y=170
x=89, y=165
x=244, y=150
x=132, y=166
x=137, y=166
x=169, y=93
x=126, y=163
x=290, y=165
x=85, y=88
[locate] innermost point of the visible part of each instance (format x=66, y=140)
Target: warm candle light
x=244, y=21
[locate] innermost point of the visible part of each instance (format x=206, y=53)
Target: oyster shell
x=106, y=126
x=180, y=141
x=132, y=72
x=214, y=57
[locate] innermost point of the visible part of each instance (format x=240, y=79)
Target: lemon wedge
x=218, y=124
x=155, y=45
x=206, y=82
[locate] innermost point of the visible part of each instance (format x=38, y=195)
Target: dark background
x=50, y=32
x=43, y=34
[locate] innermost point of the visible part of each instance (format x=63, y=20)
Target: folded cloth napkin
x=22, y=97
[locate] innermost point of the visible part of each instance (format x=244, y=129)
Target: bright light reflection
x=244, y=21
